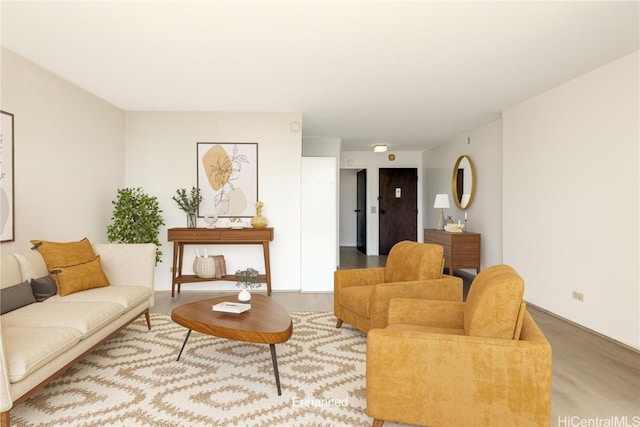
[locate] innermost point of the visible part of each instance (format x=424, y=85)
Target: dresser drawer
x=461, y=250
x=187, y=234
x=219, y=234
x=437, y=237
x=247, y=234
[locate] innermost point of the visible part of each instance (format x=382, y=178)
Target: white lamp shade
x=442, y=201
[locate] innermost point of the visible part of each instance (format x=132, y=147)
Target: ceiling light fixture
x=379, y=148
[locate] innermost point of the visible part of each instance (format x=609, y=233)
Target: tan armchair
x=480, y=363
x=413, y=270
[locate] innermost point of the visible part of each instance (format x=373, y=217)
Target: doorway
x=361, y=211
x=398, y=207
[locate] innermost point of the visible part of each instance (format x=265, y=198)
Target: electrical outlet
x=578, y=295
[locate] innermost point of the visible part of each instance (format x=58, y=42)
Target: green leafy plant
x=136, y=219
x=248, y=278
x=188, y=203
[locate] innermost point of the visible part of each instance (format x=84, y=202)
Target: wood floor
x=593, y=377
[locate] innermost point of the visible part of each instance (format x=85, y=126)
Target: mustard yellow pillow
x=80, y=277
x=58, y=254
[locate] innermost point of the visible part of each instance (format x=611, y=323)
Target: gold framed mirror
x=463, y=182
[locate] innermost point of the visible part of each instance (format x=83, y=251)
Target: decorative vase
x=204, y=267
x=259, y=221
x=244, y=296
x=191, y=220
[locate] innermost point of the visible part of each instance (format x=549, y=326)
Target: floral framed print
x=7, y=209
x=227, y=178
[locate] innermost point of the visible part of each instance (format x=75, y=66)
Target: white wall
x=319, y=255
x=161, y=157
x=484, y=146
x=571, y=191
x=68, y=153
x=372, y=162
x=326, y=147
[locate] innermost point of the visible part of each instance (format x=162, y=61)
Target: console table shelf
x=216, y=236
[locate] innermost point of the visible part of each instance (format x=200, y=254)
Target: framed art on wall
x=227, y=178
x=7, y=210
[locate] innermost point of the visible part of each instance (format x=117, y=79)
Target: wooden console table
x=216, y=236
x=461, y=250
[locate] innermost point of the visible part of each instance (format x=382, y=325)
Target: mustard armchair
x=480, y=363
x=413, y=270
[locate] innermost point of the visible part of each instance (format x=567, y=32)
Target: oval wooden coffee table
x=267, y=322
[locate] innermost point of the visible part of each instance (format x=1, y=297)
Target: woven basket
x=204, y=267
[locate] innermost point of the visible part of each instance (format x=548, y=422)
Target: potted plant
x=247, y=279
x=188, y=203
x=136, y=219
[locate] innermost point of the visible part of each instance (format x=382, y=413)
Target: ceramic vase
x=258, y=221
x=244, y=296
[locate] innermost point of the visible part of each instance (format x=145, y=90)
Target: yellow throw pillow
x=57, y=254
x=80, y=277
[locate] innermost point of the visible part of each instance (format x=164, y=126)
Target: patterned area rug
x=134, y=380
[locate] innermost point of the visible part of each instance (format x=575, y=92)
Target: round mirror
x=463, y=182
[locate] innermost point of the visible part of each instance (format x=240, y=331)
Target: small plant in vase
x=247, y=279
x=189, y=203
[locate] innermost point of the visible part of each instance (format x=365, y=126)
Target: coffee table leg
x=275, y=366
x=183, y=344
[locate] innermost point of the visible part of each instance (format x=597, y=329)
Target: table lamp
x=442, y=203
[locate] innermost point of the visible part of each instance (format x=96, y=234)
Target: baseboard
x=584, y=328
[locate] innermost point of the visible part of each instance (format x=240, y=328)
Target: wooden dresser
x=461, y=250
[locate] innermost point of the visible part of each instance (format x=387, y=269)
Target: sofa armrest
x=354, y=277
x=425, y=312
x=448, y=288
x=6, y=400
x=456, y=378
x=357, y=277
x=130, y=264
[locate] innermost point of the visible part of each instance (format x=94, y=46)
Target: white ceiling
x=406, y=73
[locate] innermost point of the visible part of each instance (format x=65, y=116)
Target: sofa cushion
x=43, y=288
x=127, y=296
x=80, y=277
x=493, y=304
x=86, y=317
x=414, y=261
x=16, y=296
x=32, y=264
x=9, y=271
x=358, y=299
x=57, y=254
x=28, y=348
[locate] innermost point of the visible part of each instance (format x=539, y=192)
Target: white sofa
x=41, y=340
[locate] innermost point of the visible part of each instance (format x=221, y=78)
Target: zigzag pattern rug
x=134, y=380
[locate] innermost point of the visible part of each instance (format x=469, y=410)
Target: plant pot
x=244, y=296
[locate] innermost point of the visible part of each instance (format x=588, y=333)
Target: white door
x=319, y=252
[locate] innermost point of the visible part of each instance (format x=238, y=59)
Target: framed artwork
x=227, y=178
x=7, y=210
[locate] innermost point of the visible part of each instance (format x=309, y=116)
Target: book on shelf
x=231, y=307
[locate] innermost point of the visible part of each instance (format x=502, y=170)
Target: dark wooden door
x=398, y=207
x=361, y=211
